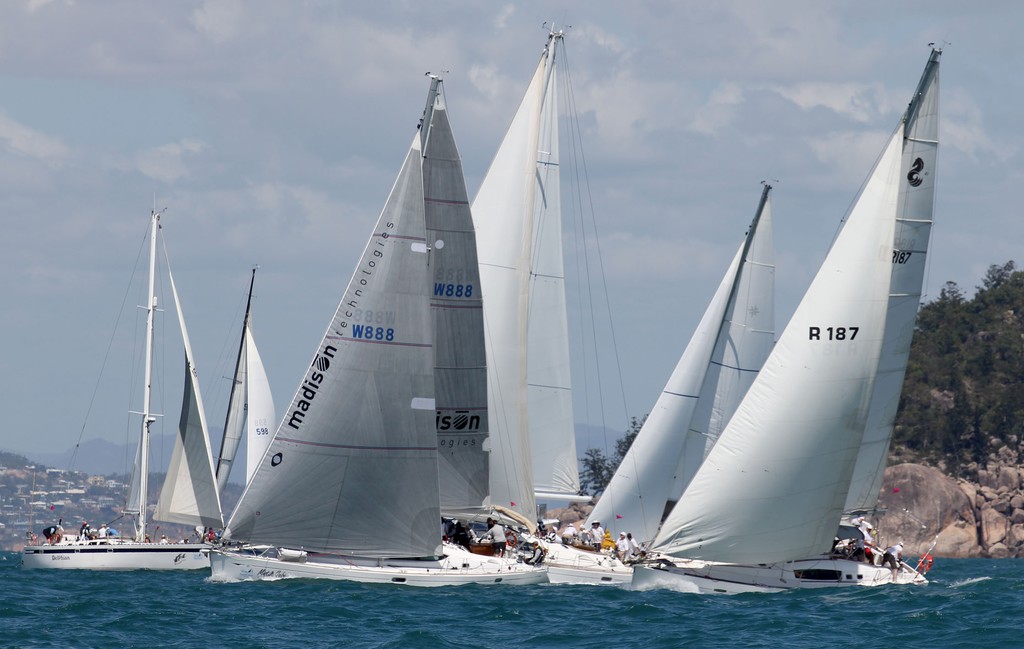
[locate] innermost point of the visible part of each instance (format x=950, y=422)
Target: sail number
x=261, y=427
x=372, y=333
x=453, y=290
x=833, y=333
x=901, y=256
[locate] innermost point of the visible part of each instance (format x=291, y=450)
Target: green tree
x=598, y=468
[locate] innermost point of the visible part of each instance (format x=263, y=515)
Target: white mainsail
x=353, y=467
x=728, y=348
x=910, y=248
x=189, y=495
x=774, y=485
x=517, y=215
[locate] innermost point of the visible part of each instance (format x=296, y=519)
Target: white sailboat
x=517, y=214
x=189, y=495
x=349, y=487
x=760, y=515
x=250, y=414
x=725, y=354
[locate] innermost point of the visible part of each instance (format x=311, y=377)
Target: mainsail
x=189, y=495
x=460, y=362
x=910, y=247
x=517, y=215
x=774, y=485
x=250, y=412
x=728, y=348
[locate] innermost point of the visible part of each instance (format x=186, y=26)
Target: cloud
x=166, y=163
x=218, y=19
x=719, y=110
x=501, y=20
x=860, y=102
x=23, y=140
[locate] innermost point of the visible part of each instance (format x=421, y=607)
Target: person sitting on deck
x=536, y=556
x=460, y=536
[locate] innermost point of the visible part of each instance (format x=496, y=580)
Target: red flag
x=895, y=490
x=617, y=516
x=513, y=504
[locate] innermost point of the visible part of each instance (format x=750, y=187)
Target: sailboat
x=349, y=487
x=250, y=413
x=725, y=354
x=761, y=512
x=189, y=494
x=517, y=214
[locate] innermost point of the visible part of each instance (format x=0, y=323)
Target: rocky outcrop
x=964, y=519
x=919, y=505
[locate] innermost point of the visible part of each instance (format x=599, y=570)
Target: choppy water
x=969, y=603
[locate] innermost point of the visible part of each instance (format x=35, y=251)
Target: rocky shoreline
x=965, y=519
x=919, y=505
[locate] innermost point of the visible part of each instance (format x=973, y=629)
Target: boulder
x=1014, y=536
x=956, y=541
x=1009, y=478
x=998, y=551
x=919, y=502
x=994, y=526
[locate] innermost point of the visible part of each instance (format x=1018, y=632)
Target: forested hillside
x=963, y=397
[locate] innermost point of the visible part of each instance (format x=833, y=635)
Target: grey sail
x=189, y=495
x=460, y=371
x=353, y=467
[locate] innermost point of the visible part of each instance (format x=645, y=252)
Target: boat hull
x=569, y=565
x=456, y=568
x=731, y=579
x=124, y=555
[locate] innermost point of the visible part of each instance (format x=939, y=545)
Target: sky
x=270, y=133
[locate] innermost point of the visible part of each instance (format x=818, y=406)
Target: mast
x=147, y=387
x=227, y=455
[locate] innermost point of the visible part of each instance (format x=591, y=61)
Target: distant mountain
x=103, y=457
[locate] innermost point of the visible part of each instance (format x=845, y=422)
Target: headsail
x=728, y=348
x=775, y=483
x=910, y=248
x=353, y=467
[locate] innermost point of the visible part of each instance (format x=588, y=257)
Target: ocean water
x=969, y=603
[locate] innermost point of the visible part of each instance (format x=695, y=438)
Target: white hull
x=456, y=568
x=117, y=555
x=569, y=565
x=731, y=579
